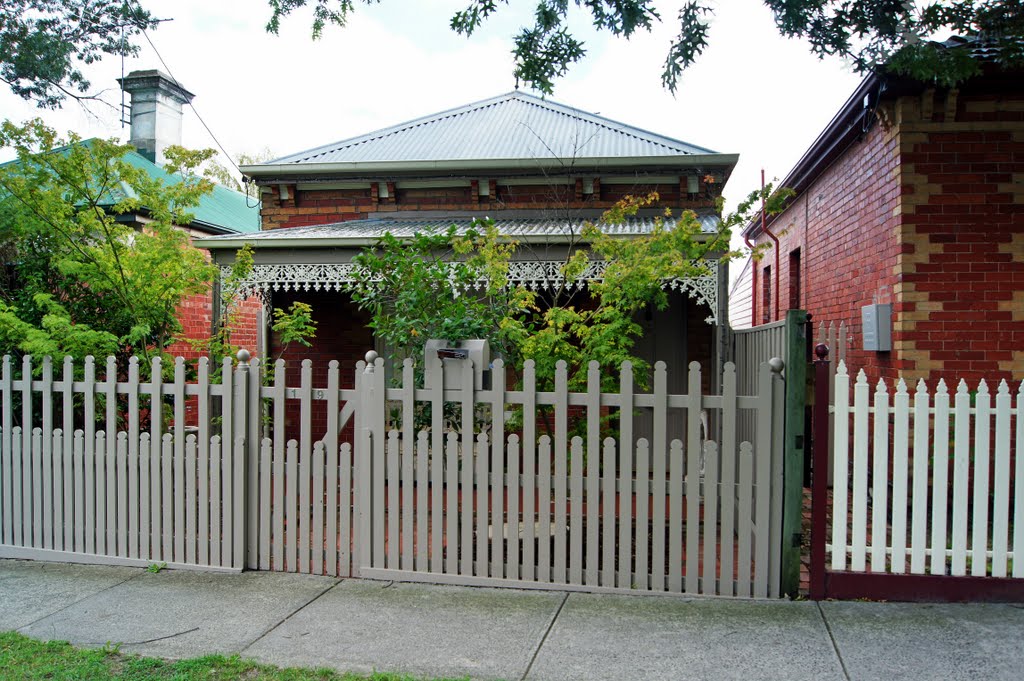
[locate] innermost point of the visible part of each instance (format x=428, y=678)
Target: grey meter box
x=876, y=327
x=455, y=358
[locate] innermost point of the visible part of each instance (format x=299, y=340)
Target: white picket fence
x=70, y=491
x=895, y=508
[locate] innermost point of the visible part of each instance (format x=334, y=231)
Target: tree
x=869, y=33
x=86, y=282
x=45, y=44
x=456, y=286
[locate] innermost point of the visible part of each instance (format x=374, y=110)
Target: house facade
x=539, y=169
x=909, y=219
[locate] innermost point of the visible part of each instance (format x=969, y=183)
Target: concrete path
x=444, y=631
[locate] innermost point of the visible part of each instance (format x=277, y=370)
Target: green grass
x=25, y=658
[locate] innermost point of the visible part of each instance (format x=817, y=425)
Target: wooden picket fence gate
x=428, y=484
x=928, y=493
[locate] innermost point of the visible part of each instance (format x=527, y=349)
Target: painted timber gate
x=454, y=483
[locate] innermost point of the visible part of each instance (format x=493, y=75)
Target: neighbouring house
x=156, y=119
x=741, y=304
x=539, y=169
x=908, y=221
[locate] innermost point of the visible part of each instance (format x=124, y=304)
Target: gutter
x=270, y=172
x=830, y=143
x=228, y=242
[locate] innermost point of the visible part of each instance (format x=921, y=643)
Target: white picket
x=940, y=468
x=841, y=472
x=1001, y=477
x=880, y=478
x=900, y=462
x=919, y=512
x=979, y=507
x=1018, y=489
x=961, y=467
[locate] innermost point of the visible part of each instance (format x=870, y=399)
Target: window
x=766, y=297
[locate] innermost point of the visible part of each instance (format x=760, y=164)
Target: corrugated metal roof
x=515, y=125
x=222, y=208
x=527, y=228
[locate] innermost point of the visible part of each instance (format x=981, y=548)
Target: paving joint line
x=290, y=615
x=83, y=599
x=544, y=638
x=832, y=638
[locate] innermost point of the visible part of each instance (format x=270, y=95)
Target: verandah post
x=819, y=479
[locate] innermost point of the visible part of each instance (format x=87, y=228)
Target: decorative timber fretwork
x=535, y=275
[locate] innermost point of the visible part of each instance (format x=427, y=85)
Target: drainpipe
x=764, y=228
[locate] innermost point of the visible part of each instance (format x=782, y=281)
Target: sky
x=752, y=92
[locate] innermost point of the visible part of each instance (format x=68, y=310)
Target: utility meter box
x=876, y=327
x=455, y=358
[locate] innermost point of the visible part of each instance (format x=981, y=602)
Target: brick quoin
x=926, y=212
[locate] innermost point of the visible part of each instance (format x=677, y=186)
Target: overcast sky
x=752, y=92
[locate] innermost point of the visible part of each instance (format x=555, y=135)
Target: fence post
x=253, y=430
x=364, y=426
x=778, y=469
x=240, y=469
x=794, y=456
x=819, y=478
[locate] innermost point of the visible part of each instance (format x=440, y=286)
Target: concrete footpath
x=444, y=631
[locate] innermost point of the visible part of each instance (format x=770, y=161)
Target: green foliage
x=44, y=43
x=452, y=286
x=868, y=33
x=156, y=568
x=295, y=325
x=85, y=280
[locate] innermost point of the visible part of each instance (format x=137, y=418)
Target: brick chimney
x=156, y=102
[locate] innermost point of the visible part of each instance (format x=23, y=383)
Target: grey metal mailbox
x=876, y=327
x=455, y=358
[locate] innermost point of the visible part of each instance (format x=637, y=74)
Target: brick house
x=538, y=168
x=913, y=196
x=156, y=117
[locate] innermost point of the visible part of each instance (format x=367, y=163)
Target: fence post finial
x=821, y=351
x=371, y=357
x=243, y=356
x=776, y=365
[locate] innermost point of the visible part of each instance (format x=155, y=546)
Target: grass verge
x=25, y=658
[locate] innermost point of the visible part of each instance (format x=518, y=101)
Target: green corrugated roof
x=222, y=209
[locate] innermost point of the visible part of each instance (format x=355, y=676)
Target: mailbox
x=454, y=358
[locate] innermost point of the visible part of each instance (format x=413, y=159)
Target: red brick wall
x=845, y=227
x=304, y=207
x=196, y=316
x=963, y=300
x=925, y=213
